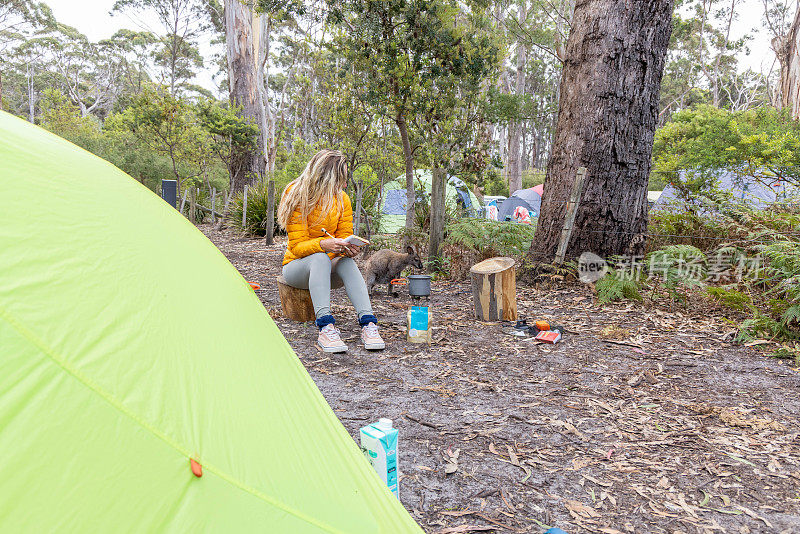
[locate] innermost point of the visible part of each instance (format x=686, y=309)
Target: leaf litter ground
x=641, y=420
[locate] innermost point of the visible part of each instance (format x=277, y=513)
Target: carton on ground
x=379, y=444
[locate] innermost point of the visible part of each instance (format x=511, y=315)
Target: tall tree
x=788, y=50
x=182, y=22
x=400, y=50
x=17, y=19
x=607, y=117
x=244, y=85
x=514, y=166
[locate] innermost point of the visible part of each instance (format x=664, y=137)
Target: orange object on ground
x=399, y=282
x=197, y=469
x=549, y=336
x=542, y=325
x=255, y=286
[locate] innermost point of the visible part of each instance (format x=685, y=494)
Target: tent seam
x=80, y=377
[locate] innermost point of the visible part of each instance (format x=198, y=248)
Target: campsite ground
x=641, y=420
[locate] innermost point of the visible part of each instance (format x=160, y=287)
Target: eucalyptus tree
x=403, y=53
x=608, y=113
x=18, y=19
x=182, y=23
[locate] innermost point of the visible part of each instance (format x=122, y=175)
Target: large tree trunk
x=243, y=85
x=608, y=110
x=437, y=213
x=514, y=167
x=408, y=157
x=788, y=51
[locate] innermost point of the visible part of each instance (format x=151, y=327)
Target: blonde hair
x=320, y=185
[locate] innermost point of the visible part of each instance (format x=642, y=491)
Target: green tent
x=130, y=345
x=393, y=199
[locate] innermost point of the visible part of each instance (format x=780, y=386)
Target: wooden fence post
x=183, y=200
x=270, y=229
x=244, y=208
x=569, y=219
x=213, y=205
x=193, y=205
x=224, y=209
x=359, y=195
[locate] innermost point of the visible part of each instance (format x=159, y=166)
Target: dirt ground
x=641, y=420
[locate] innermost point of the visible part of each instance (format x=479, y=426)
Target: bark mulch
x=641, y=420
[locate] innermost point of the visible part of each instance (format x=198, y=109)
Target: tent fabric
x=130, y=345
x=393, y=206
x=746, y=189
x=539, y=189
x=526, y=198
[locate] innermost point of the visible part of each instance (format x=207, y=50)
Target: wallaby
x=386, y=265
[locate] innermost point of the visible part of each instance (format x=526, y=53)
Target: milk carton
x=379, y=445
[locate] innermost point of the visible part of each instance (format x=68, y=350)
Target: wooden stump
x=296, y=303
x=494, y=288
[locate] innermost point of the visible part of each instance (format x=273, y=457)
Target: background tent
x=526, y=198
x=393, y=205
x=130, y=345
x=539, y=189
x=755, y=193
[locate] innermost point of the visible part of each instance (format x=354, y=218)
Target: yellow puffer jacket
x=304, y=236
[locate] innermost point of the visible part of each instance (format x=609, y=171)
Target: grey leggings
x=318, y=273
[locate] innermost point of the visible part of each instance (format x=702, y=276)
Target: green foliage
x=167, y=125
x=63, y=118
x=615, y=287
x=468, y=241
x=702, y=232
x=754, y=143
x=730, y=298
x=494, y=184
x=788, y=353
x=257, y=217
x=762, y=256
x=490, y=238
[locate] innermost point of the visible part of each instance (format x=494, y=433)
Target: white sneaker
x=371, y=338
x=329, y=340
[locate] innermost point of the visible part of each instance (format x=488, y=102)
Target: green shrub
x=470, y=240
x=490, y=238
x=614, y=287
x=730, y=298
x=256, y=223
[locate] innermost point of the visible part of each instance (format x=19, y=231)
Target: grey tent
x=526, y=198
x=755, y=192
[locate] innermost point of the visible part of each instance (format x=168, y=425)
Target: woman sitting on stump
x=318, y=216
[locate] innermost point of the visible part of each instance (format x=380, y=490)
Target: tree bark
x=243, y=85
x=269, y=233
x=788, y=51
x=514, y=167
x=608, y=111
x=437, y=213
x=408, y=157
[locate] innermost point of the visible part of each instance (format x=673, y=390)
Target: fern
x=735, y=300
x=612, y=288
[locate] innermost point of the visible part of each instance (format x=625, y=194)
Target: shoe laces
x=371, y=329
x=332, y=332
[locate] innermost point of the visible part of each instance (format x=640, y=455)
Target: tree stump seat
x=494, y=289
x=295, y=302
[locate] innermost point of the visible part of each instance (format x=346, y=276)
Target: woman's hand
x=350, y=251
x=334, y=245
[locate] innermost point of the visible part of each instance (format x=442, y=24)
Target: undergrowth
x=469, y=241
x=256, y=223
x=744, y=260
